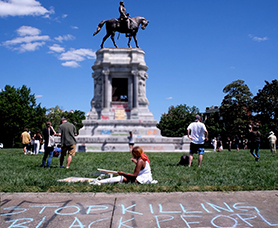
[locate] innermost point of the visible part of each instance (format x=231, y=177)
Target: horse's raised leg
x=112, y=38
x=135, y=40
x=103, y=40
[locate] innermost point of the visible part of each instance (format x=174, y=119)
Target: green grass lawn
x=220, y=171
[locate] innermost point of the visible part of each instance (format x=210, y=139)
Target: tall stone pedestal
x=120, y=105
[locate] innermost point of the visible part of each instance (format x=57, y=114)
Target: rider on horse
x=124, y=17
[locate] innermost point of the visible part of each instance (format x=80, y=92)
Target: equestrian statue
x=124, y=24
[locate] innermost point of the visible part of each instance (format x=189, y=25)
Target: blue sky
x=193, y=48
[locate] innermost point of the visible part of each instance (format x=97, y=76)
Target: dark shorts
x=24, y=145
x=197, y=148
x=131, y=144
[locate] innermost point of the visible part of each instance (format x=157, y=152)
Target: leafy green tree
x=175, y=122
x=18, y=110
x=54, y=116
x=214, y=124
x=265, y=105
x=235, y=108
x=75, y=117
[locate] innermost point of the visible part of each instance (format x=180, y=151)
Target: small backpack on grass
x=184, y=160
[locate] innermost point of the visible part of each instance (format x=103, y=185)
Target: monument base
x=111, y=135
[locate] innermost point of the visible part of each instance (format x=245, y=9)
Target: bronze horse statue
x=115, y=25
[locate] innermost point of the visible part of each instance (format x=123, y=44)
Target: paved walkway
x=146, y=210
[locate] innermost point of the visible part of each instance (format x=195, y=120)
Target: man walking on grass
x=198, y=133
x=25, y=139
x=67, y=131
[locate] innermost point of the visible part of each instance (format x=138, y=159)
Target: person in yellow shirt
x=25, y=138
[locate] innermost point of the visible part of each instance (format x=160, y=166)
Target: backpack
x=184, y=160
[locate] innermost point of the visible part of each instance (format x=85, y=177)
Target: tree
x=235, y=108
x=175, y=122
x=214, y=124
x=18, y=110
x=75, y=117
x=265, y=105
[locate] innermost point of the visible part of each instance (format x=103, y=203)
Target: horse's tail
x=99, y=27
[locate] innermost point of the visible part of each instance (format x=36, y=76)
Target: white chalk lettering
x=170, y=217
x=225, y=216
x=79, y=224
x=225, y=209
x=17, y=209
x=15, y=224
x=203, y=206
x=259, y=213
x=99, y=220
x=124, y=210
x=122, y=223
x=151, y=208
x=44, y=206
x=245, y=219
x=96, y=208
x=190, y=216
x=193, y=212
x=239, y=208
x=69, y=213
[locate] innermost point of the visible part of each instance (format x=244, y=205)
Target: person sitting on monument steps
x=142, y=172
x=124, y=17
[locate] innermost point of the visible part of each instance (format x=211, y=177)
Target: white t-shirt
x=197, y=132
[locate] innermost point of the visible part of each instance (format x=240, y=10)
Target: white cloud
x=28, y=30
x=258, y=39
x=38, y=96
x=56, y=48
x=64, y=15
x=22, y=8
x=73, y=64
x=74, y=27
x=78, y=55
x=28, y=40
x=169, y=98
x=65, y=37
x=30, y=46
x=73, y=56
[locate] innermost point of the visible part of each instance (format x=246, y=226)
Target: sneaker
x=61, y=166
x=67, y=167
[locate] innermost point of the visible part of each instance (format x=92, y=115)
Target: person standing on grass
x=37, y=141
x=219, y=143
x=255, y=140
x=48, y=148
x=272, y=142
x=198, y=133
x=236, y=141
x=130, y=141
x=25, y=139
x=67, y=132
x=229, y=143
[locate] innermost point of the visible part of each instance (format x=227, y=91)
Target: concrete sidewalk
x=145, y=210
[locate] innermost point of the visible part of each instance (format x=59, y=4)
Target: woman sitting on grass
x=142, y=172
